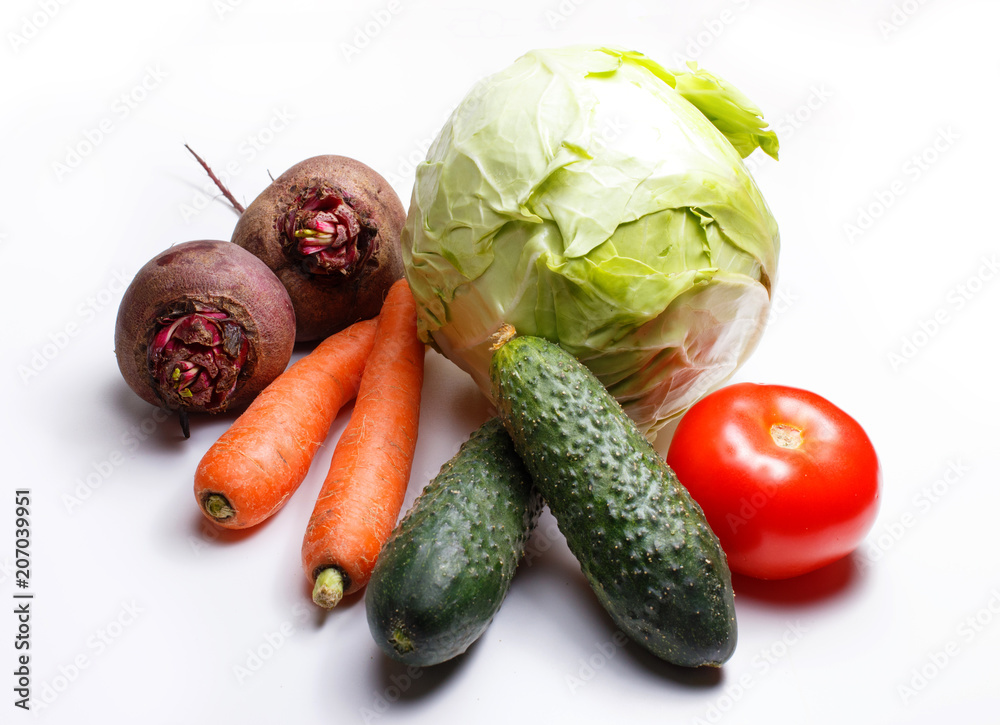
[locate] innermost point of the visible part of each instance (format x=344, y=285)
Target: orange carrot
x=250, y=472
x=363, y=493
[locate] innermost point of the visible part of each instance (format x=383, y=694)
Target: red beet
x=203, y=327
x=329, y=228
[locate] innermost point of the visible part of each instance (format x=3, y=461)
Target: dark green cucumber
x=445, y=570
x=642, y=541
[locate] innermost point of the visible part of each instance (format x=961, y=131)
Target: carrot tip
x=218, y=507
x=329, y=588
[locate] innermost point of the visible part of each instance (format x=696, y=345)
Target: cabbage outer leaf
x=592, y=197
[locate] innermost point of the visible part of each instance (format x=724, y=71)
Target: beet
x=203, y=327
x=329, y=228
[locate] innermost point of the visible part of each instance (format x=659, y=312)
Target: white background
x=887, y=304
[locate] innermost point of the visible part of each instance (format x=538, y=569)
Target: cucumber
x=446, y=568
x=642, y=542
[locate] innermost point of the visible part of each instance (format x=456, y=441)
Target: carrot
x=362, y=495
x=250, y=472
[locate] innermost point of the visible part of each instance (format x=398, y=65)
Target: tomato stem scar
x=786, y=436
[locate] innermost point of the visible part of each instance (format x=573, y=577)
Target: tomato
x=788, y=481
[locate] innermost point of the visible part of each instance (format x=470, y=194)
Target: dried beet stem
x=222, y=187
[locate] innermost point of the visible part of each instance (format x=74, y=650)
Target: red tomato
x=788, y=481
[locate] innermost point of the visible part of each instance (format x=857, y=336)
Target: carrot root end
x=329, y=588
x=218, y=507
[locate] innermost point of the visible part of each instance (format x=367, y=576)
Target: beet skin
x=329, y=229
x=203, y=327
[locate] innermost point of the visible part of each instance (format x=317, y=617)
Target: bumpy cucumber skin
x=447, y=567
x=642, y=541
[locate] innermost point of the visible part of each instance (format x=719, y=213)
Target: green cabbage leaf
x=594, y=198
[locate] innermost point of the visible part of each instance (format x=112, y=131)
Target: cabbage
x=594, y=198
